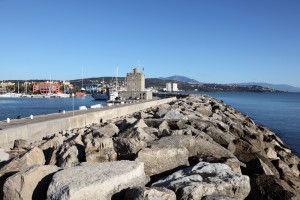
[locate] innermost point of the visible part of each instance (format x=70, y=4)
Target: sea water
x=24, y=107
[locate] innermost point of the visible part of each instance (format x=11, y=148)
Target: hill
x=281, y=87
x=183, y=79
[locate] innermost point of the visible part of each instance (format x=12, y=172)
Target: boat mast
x=50, y=85
x=81, y=78
x=25, y=87
x=117, y=79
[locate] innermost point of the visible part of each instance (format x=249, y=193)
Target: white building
x=175, y=88
x=169, y=87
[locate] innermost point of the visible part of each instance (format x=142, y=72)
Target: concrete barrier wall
x=36, y=131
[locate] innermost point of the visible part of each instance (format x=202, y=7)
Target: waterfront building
x=136, y=86
x=175, y=87
x=135, y=81
x=169, y=87
x=46, y=87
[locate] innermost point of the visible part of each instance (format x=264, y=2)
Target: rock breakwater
x=192, y=148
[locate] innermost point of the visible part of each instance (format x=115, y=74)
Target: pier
x=42, y=125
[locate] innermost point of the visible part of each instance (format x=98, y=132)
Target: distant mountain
x=183, y=79
x=281, y=87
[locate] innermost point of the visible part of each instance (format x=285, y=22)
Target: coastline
x=198, y=131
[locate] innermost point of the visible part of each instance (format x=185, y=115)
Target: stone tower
x=135, y=81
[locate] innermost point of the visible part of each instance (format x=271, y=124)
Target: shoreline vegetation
x=192, y=148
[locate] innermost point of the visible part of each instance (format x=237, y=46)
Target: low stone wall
x=36, y=130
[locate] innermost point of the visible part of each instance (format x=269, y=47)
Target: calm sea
x=24, y=107
x=278, y=111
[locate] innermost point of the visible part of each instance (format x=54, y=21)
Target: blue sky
x=213, y=41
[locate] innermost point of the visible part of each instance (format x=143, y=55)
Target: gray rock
x=144, y=115
x=163, y=126
x=50, y=148
x=271, y=153
x=218, y=198
x=108, y=130
x=284, y=169
x=173, y=115
x=204, y=109
x=159, y=160
x=269, y=187
x=206, y=179
x=102, y=155
x=3, y=155
x=153, y=132
x=138, y=134
x=261, y=166
x=139, y=124
x=21, y=162
x=21, y=144
x=31, y=183
x=211, y=151
x=126, y=123
x=52, y=143
x=174, y=141
x=127, y=148
x=96, y=181
x=154, y=193
x=161, y=112
x=67, y=156
x=96, y=144
x=220, y=137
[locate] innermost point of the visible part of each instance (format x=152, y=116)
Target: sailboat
x=82, y=92
x=108, y=93
x=5, y=94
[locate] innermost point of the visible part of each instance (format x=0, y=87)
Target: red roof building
x=46, y=87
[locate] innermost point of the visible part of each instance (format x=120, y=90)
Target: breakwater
x=43, y=125
x=191, y=148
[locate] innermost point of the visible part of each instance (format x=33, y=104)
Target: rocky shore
x=192, y=148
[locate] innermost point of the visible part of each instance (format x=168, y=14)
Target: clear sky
x=213, y=41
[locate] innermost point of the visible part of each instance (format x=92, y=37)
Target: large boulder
x=52, y=143
x=31, y=183
x=96, y=181
x=219, y=136
x=174, y=114
x=204, y=109
x=3, y=155
x=209, y=151
x=96, y=144
x=269, y=187
x=35, y=156
x=67, y=156
x=212, y=197
x=50, y=147
x=206, y=179
x=185, y=141
x=159, y=160
x=103, y=155
x=137, y=133
x=21, y=144
x=155, y=193
x=108, y=130
x=127, y=148
x=100, y=150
